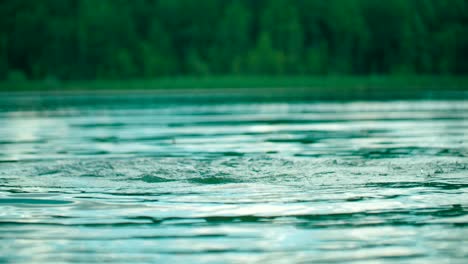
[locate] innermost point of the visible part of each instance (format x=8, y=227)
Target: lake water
x=148, y=178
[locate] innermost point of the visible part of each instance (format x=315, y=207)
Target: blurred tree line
x=114, y=39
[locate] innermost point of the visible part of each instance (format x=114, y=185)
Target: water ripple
x=146, y=180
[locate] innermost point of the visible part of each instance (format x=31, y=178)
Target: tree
x=121, y=39
x=280, y=21
x=156, y=54
x=264, y=59
x=3, y=57
x=232, y=38
x=347, y=36
x=388, y=24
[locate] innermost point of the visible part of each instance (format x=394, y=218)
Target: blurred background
x=60, y=40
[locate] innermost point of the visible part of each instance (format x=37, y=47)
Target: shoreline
x=307, y=87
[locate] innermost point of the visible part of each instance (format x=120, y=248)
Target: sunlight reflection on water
x=148, y=180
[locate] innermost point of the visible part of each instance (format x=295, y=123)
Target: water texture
x=144, y=179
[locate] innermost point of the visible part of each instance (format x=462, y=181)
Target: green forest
x=144, y=39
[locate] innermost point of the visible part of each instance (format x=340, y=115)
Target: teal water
x=150, y=179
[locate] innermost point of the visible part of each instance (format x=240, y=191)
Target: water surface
x=144, y=178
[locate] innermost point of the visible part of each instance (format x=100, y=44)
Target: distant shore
x=328, y=87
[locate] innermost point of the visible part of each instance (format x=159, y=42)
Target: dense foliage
x=114, y=39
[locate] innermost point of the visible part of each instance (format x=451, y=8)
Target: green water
x=151, y=179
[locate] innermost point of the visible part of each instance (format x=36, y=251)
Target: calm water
x=145, y=178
